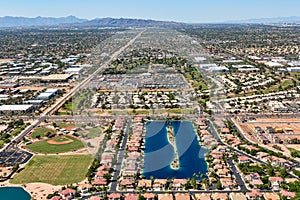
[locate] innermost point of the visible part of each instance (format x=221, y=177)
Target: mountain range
x=276, y=20
x=9, y=21
x=72, y=21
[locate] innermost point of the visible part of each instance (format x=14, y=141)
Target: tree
x=219, y=185
x=107, y=177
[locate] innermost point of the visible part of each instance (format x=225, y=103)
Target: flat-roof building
x=16, y=108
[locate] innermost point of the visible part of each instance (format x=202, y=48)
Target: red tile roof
x=100, y=181
x=114, y=196
x=68, y=191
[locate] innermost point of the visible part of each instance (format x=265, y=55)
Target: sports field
x=54, y=169
x=58, y=144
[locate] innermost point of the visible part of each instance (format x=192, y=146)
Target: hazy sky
x=176, y=10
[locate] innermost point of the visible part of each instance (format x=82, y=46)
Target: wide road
x=83, y=83
x=67, y=96
x=118, y=166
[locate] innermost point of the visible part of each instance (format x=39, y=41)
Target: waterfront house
x=144, y=184
x=159, y=184
x=179, y=184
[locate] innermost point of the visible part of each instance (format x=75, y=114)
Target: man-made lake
x=159, y=153
x=13, y=193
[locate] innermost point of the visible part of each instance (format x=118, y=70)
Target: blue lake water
x=13, y=193
x=159, y=153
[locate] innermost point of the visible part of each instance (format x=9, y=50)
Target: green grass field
x=55, y=170
x=41, y=131
x=45, y=147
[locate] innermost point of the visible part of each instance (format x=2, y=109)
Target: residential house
x=271, y=196
x=201, y=196
x=114, y=196
x=130, y=196
x=149, y=196
x=237, y=196
x=145, y=184
x=254, y=195
x=179, y=184
x=182, y=196
x=68, y=193
x=287, y=194
x=243, y=159
x=165, y=196
x=275, y=182
x=159, y=184
x=219, y=196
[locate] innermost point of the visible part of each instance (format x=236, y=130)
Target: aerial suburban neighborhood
x=135, y=109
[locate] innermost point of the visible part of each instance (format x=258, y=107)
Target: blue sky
x=176, y=10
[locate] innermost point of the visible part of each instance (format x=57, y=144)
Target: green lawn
x=55, y=170
x=294, y=152
x=64, y=125
x=41, y=132
x=45, y=147
x=92, y=132
x=284, y=85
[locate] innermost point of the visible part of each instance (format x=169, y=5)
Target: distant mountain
x=276, y=20
x=37, y=21
x=127, y=23
x=72, y=21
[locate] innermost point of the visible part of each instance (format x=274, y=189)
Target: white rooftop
x=15, y=107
